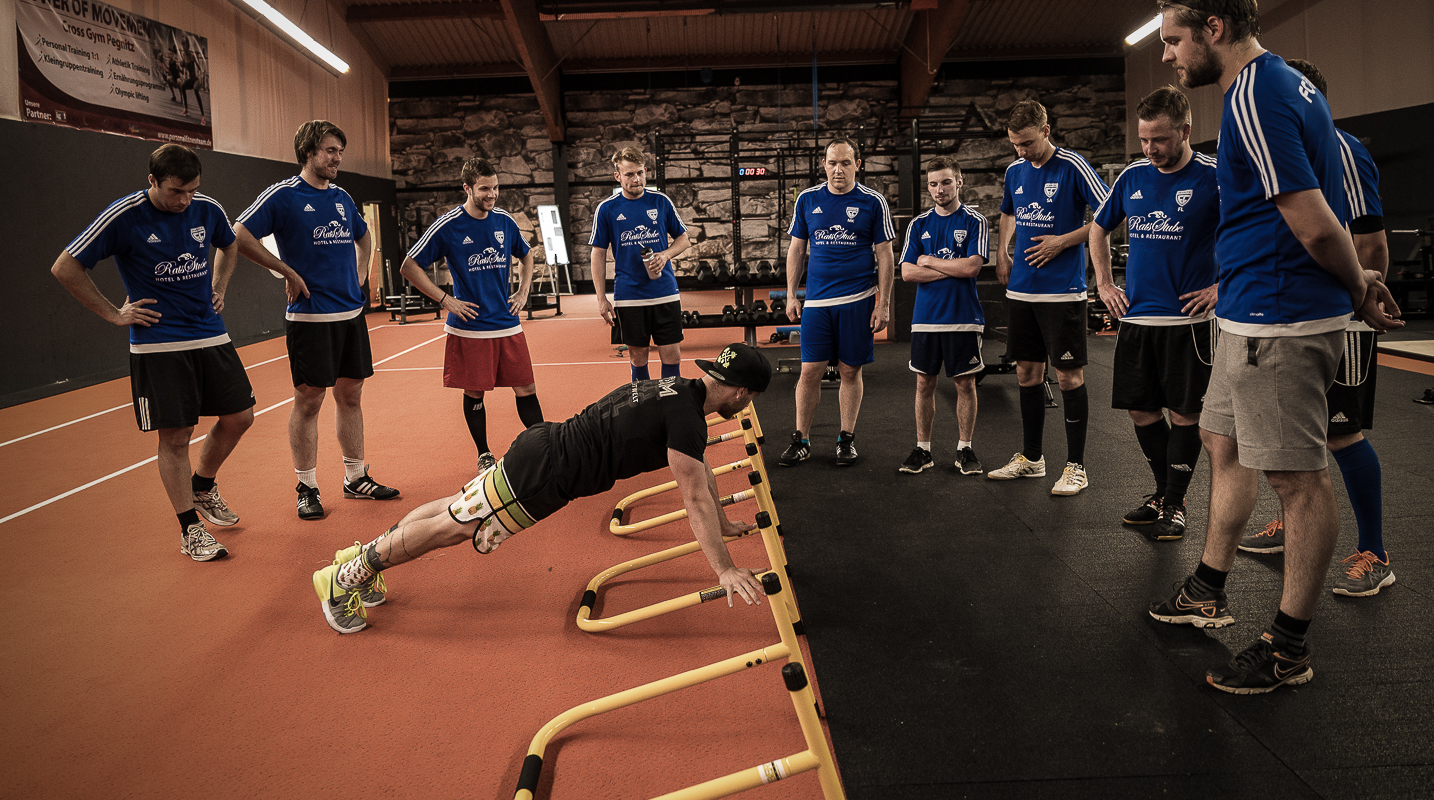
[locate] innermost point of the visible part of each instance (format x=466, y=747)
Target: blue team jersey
x=480, y=253
x=947, y=304
x=316, y=230
x=1361, y=179
x=164, y=257
x=1171, y=221
x=625, y=227
x=840, y=231
x=1050, y=200
x=1276, y=136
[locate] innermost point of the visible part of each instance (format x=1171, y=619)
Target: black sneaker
x=366, y=488
x=846, y=449
x=967, y=461
x=919, y=460
x=1262, y=667
x=1190, y=606
x=1170, y=526
x=309, y=505
x=798, y=451
x=1148, y=512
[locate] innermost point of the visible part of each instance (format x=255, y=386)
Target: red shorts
x=480, y=365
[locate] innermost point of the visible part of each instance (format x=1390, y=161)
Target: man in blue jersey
x=486, y=346
x=1171, y=206
x=635, y=224
x=1047, y=192
x=945, y=249
x=1351, y=397
x=841, y=238
x=182, y=364
x=1289, y=278
x=317, y=226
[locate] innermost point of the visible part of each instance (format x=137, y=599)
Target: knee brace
x=488, y=501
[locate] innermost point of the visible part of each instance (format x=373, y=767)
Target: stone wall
x=431, y=138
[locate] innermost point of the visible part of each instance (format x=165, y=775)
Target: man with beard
x=637, y=428
x=1289, y=278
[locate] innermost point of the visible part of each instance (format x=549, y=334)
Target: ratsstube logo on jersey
x=1155, y=225
x=489, y=258
x=333, y=233
x=187, y=266
x=1035, y=215
x=641, y=235
x=836, y=235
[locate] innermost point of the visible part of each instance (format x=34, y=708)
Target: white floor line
x=65, y=424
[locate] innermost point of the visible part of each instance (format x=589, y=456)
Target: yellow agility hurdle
x=817, y=756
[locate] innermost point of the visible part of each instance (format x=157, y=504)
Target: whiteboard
x=551, y=226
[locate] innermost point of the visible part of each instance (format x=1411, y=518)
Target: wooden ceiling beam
x=927, y=41
x=535, y=50
x=412, y=12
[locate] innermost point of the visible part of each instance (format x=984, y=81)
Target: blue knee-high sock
x=1359, y=465
x=671, y=370
x=640, y=374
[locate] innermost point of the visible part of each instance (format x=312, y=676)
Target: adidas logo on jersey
x=620, y=218
x=308, y=207
x=817, y=210
x=466, y=240
x=926, y=235
x=1339, y=417
x=1137, y=195
x=1020, y=190
x=152, y=239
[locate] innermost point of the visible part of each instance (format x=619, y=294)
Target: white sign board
x=552, y=228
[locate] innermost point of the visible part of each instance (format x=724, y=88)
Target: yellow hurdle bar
x=619, y=529
x=646, y=612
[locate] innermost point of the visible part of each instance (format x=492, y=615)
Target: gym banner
x=89, y=65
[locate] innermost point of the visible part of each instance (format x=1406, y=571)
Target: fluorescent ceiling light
x=274, y=18
x=1140, y=33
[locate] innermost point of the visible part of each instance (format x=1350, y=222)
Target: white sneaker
x=1072, y=480
x=1019, y=467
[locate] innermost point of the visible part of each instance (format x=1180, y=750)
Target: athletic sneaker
x=1191, y=606
x=213, y=508
x=1269, y=540
x=846, y=449
x=1146, y=513
x=374, y=592
x=309, y=505
x=343, y=609
x=366, y=488
x=1170, y=526
x=1262, y=667
x=1072, y=480
x=486, y=461
x=919, y=460
x=196, y=543
x=1019, y=467
x=796, y=452
x=1366, y=576
x=967, y=461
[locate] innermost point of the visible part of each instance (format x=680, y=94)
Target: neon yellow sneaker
x=343, y=610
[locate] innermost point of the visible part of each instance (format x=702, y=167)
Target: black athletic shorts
x=322, y=352
x=1351, y=398
x=661, y=324
x=531, y=469
x=1042, y=332
x=175, y=389
x=1162, y=366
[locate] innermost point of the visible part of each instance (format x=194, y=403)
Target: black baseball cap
x=740, y=365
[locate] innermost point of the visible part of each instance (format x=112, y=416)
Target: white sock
x=924, y=446
x=354, y=468
x=962, y=445
x=307, y=477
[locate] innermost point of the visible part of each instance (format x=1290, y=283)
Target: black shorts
x=530, y=468
x=1351, y=398
x=1042, y=332
x=175, y=389
x=1162, y=366
x=637, y=325
x=960, y=351
x=322, y=352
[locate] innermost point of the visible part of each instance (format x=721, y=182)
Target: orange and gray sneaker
x=1269, y=540
x=1366, y=575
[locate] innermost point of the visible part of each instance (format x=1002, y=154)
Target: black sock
x=1033, y=420
x=1077, y=403
x=1184, y=453
x=477, y=418
x=201, y=483
x=530, y=411
x=1210, y=578
x=371, y=559
x=1154, y=444
x=187, y=518
x=1290, y=631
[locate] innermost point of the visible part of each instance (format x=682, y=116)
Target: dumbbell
x=760, y=314
x=687, y=319
x=742, y=274
x=764, y=272
x=722, y=273
x=744, y=315
x=781, y=272
x=779, y=307
x=697, y=319
x=705, y=274
x=729, y=315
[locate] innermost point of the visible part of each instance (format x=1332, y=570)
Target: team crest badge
x=1183, y=196
x=342, y=214
x=652, y=214
x=499, y=236
x=851, y=212
x=1051, y=189
x=960, y=237
x=198, y=234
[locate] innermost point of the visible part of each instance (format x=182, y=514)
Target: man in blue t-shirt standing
x=1289, y=278
x=486, y=345
x=317, y=226
x=1048, y=190
x=182, y=365
x=945, y=248
x=1171, y=206
x=635, y=224
x=841, y=238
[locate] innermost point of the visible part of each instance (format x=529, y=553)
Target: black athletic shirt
x=628, y=432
